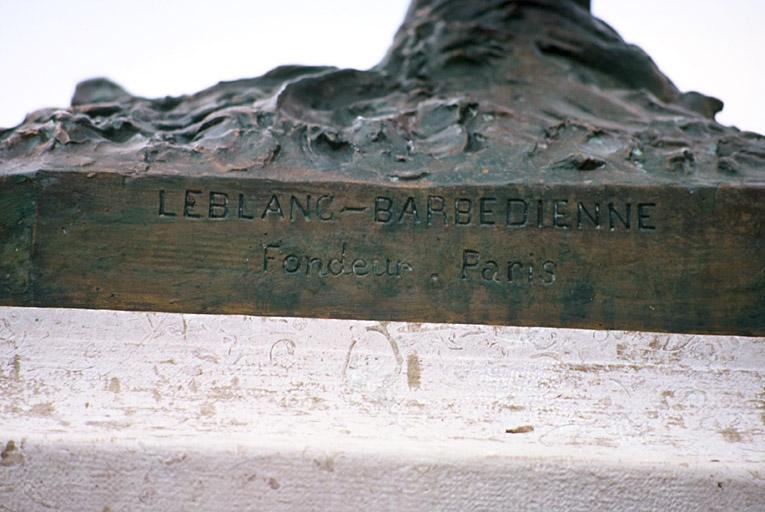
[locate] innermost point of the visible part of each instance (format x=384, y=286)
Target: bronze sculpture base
x=507, y=163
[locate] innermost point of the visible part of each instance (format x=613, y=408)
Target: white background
x=158, y=48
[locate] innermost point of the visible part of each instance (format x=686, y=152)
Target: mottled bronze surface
x=507, y=162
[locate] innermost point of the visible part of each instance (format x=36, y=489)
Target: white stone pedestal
x=103, y=410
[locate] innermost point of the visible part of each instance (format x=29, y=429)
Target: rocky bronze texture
x=510, y=162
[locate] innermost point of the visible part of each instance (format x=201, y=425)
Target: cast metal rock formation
x=534, y=90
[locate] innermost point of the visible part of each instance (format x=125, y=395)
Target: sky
x=157, y=48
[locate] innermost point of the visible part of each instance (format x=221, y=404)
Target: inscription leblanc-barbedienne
x=513, y=212
x=426, y=211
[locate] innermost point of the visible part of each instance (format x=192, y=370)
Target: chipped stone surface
x=108, y=410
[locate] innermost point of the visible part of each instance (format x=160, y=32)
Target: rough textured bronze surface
x=507, y=162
